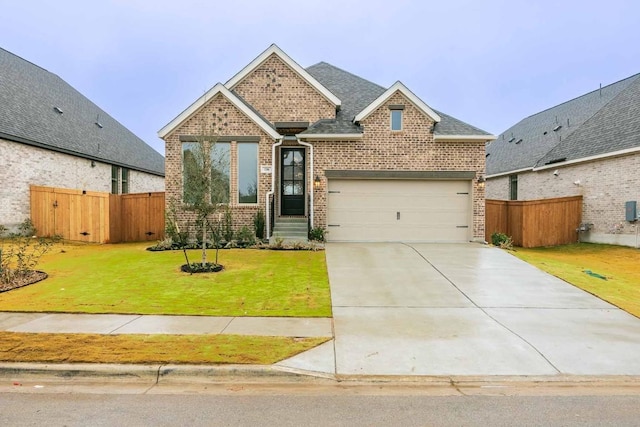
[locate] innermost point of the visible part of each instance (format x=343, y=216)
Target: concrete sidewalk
x=113, y=324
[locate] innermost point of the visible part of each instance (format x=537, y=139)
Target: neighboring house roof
x=239, y=103
x=604, y=121
x=39, y=108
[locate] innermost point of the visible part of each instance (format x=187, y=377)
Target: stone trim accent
x=383, y=174
x=218, y=138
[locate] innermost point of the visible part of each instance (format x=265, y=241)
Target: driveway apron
x=468, y=309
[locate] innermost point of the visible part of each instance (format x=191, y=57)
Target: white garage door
x=377, y=210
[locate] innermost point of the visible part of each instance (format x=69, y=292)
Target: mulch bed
x=209, y=267
x=29, y=278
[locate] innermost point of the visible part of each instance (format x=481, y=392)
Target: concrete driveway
x=464, y=309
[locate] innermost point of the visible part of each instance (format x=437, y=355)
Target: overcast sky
x=489, y=63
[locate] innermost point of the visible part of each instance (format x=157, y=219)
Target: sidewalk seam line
x=125, y=324
x=227, y=325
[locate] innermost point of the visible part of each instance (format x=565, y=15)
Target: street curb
x=154, y=373
x=175, y=374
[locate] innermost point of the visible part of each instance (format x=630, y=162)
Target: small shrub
x=22, y=255
x=172, y=228
x=501, y=240
x=258, y=224
x=317, y=234
x=246, y=236
x=278, y=243
x=227, y=225
x=162, y=245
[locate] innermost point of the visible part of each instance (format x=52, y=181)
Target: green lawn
x=94, y=348
x=125, y=278
x=620, y=265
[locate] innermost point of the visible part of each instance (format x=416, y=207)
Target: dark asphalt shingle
x=28, y=96
x=356, y=94
x=589, y=125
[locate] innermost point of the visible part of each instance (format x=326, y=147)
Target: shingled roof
x=357, y=93
x=603, y=121
x=39, y=108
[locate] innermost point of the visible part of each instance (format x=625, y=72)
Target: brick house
x=329, y=149
x=51, y=135
x=587, y=146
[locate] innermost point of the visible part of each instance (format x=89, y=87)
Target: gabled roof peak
x=219, y=88
x=397, y=87
x=275, y=50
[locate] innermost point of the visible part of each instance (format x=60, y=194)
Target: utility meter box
x=631, y=214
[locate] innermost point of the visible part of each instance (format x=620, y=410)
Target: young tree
x=206, y=184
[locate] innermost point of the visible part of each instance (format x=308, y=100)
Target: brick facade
x=603, y=187
x=24, y=165
x=219, y=116
x=279, y=94
x=412, y=149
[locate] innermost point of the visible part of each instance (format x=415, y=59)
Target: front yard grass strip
x=619, y=264
x=127, y=279
x=148, y=349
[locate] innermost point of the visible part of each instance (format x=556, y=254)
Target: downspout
x=273, y=185
x=306, y=144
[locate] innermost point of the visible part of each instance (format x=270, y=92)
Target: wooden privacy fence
x=91, y=216
x=534, y=223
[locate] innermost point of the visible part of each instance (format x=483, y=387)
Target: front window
x=513, y=187
x=220, y=172
x=191, y=171
x=247, y=172
x=396, y=119
x=195, y=178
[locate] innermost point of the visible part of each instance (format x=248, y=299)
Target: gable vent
x=58, y=110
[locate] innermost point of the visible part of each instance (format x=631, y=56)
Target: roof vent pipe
x=58, y=110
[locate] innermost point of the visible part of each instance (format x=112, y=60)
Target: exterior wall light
x=481, y=181
x=316, y=182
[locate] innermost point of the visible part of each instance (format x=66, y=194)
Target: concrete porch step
x=290, y=229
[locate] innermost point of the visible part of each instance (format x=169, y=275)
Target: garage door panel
x=367, y=210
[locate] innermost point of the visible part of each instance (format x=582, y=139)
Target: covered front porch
x=290, y=201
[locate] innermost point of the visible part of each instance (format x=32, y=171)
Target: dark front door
x=292, y=185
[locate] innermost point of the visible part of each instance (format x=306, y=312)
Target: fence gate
x=97, y=217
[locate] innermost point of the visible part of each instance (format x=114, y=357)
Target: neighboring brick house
x=335, y=151
x=51, y=135
x=587, y=146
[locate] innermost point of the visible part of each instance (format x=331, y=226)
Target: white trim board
x=330, y=136
x=589, y=159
